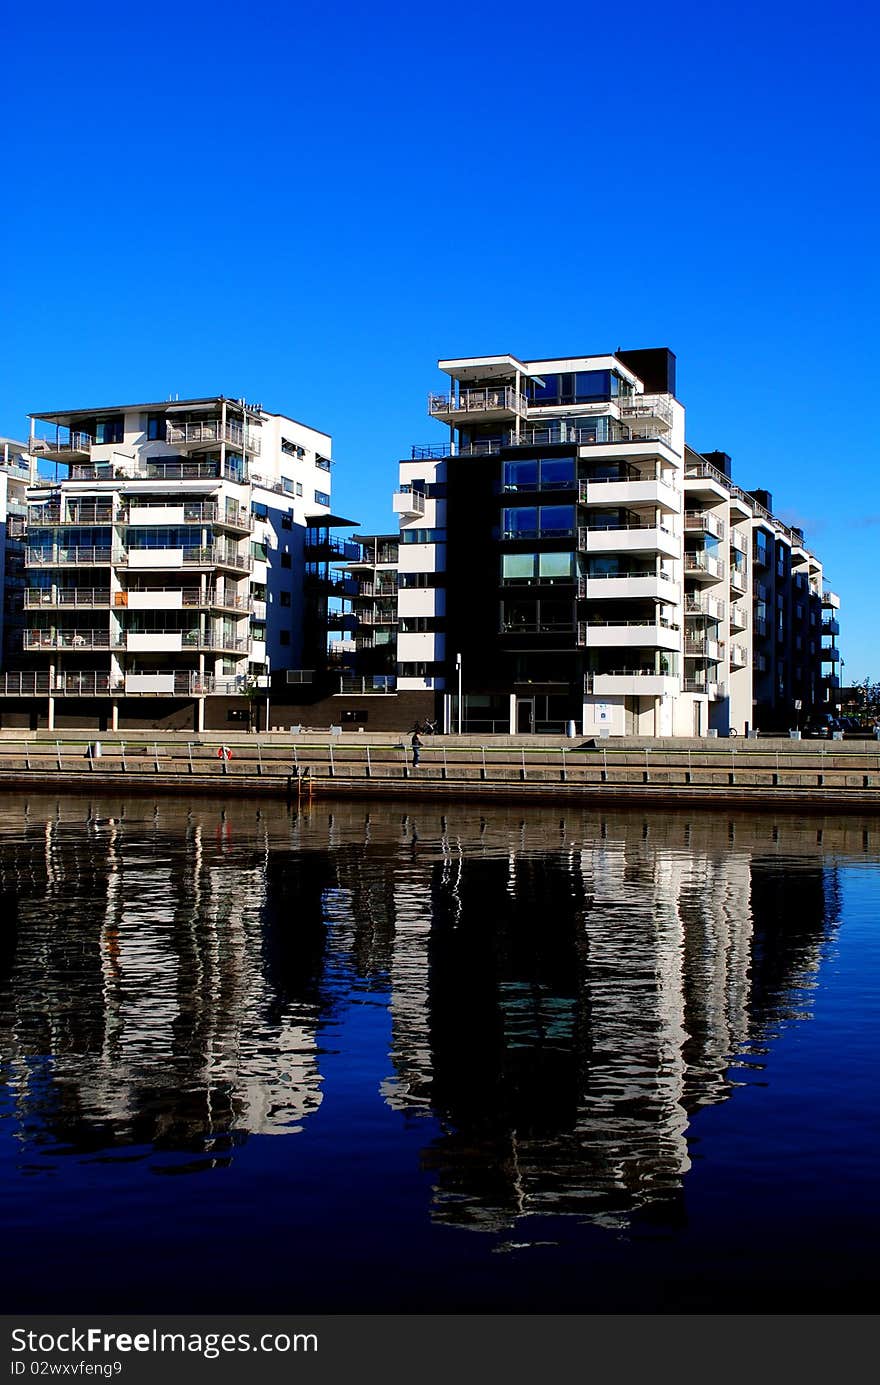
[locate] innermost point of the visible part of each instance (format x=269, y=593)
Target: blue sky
x=309, y=204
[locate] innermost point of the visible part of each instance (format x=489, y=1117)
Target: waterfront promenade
x=754, y=773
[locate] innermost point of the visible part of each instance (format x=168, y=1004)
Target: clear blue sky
x=308, y=204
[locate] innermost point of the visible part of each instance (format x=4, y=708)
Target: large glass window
x=556, y=519
x=556, y=472
x=520, y=475
x=537, y=567
x=518, y=567
x=527, y=522
x=109, y=430
x=556, y=566
x=521, y=522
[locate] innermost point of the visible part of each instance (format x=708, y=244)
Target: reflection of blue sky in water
x=462, y=1023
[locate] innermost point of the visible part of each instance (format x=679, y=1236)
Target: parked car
x=823, y=725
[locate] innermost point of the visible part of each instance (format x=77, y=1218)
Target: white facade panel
x=156, y=514
x=165, y=643
x=155, y=557
x=152, y=601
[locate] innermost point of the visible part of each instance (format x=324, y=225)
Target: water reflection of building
x=563, y=994
x=158, y=975
x=567, y=1011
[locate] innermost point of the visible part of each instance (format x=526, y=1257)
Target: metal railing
x=645, y=406
x=66, y=639
x=72, y=557
x=64, y=441
x=82, y=512
x=78, y=596
x=704, y=522
x=379, y=683
x=212, y=430
x=701, y=562
x=478, y=401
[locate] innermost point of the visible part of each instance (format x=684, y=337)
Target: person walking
x=416, y=749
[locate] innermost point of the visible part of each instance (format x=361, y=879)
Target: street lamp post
x=458, y=667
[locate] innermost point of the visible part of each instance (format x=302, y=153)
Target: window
x=155, y=427
x=323, y=463
x=409, y=580
x=286, y=522
x=287, y=485
x=528, y=522
x=258, y=551
x=109, y=430
x=419, y=670
x=424, y=535
x=285, y=598
x=258, y=631
x=541, y=473
x=284, y=637
x=410, y=625
x=298, y=488
x=259, y=509
x=285, y=559
x=321, y=498
x=545, y=617
x=538, y=567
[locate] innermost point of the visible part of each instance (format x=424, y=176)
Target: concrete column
x=114, y=715
x=51, y=716
x=200, y=714
x=513, y=714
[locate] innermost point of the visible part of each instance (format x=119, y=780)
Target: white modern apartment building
x=165, y=560
x=565, y=557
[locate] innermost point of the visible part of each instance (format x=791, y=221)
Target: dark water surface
x=374, y=1060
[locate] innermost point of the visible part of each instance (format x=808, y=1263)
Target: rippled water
x=377, y=1061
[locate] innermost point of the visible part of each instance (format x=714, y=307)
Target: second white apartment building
x=166, y=563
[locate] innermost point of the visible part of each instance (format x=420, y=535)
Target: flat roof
x=165, y=406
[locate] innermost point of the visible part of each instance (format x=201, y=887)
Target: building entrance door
x=525, y=715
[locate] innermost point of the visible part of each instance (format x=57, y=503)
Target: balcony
x=78, y=513
x=831, y=627
x=181, y=683
x=385, y=616
x=739, y=617
x=704, y=523
x=494, y=402
x=738, y=542
x=700, y=603
x=43, y=640
x=210, y=432
x=619, y=491
x=63, y=447
x=636, y=586
x=739, y=580
x=213, y=556
x=628, y=634
x=632, y=682
x=830, y=600
x=409, y=503
x=714, y=691
x=739, y=656
x=830, y=654
x=78, y=596
x=703, y=567
x=653, y=410
x=71, y=557
x=705, y=481
x=629, y=538
x=696, y=647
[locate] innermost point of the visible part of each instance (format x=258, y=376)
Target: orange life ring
x=224, y=753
